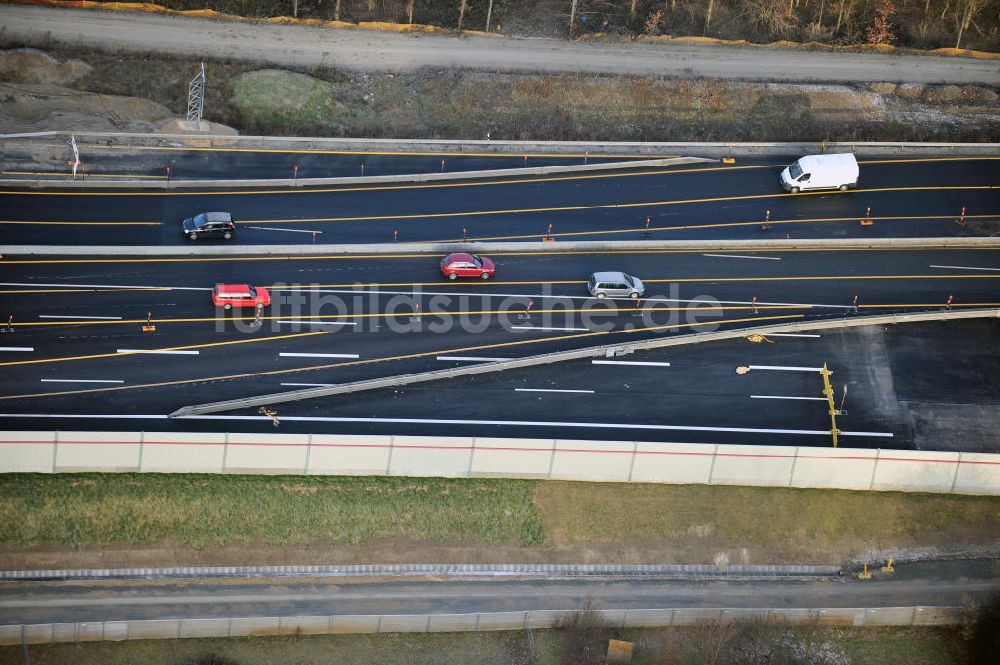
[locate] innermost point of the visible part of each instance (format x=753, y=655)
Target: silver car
x=615, y=285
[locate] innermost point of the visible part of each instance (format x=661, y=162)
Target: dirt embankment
x=76, y=90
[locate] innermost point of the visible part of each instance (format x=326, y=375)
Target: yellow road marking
x=606, y=206
x=86, y=290
x=400, y=357
x=390, y=152
x=756, y=222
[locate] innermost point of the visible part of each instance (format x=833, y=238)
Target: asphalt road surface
x=906, y=197
x=387, y=51
x=77, y=355
x=927, y=584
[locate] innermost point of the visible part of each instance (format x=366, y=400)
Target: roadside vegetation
x=137, y=92
x=913, y=23
x=215, y=519
x=580, y=644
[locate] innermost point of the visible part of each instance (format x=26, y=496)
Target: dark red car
x=461, y=264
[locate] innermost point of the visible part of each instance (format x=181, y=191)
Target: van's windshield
x=795, y=170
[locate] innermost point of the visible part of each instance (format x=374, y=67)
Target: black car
x=209, y=225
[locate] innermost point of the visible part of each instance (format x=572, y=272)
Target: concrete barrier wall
x=491, y=457
x=116, y=631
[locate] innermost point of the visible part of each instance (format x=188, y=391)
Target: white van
x=821, y=172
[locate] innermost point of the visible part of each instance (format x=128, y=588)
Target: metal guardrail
x=436, y=570
x=299, y=183
x=574, y=354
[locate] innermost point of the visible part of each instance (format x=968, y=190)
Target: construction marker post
x=465, y=234
x=314, y=237
x=646, y=233
x=149, y=327
x=395, y=236
x=867, y=219
x=828, y=393
x=887, y=568
x=415, y=317
x=767, y=221
x=168, y=175
x=586, y=156
x=854, y=304
x=442, y=166
x=947, y=304
x=362, y=169
x=637, y=310
x=865, y=575
x=753, y=305
x=295, y=174
x=10, y=325
x=960, y=220
x=548, y=236
x=526, y=314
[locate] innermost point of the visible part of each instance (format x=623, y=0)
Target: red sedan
x=240, y=295
x=461, y=264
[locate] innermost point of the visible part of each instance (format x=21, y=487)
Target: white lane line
x=98, y=318
x=17, y=348
x=82, y=381
x=428, y=421
x=550, y=329
x=740, y=256
x=473, y=359
x=817, y=399
x=161, y=351
x=310, y=385
x=550, y=390
x=296, y=322
x=783, y=368
x=271, y=228
x=319, y=355
x=629, y=362
x=966, y=268
x=109, y=286
x=540, y=296
x=790, y=335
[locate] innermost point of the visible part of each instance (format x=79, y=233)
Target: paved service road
x=72, y=357
x=928, y=584
x=907, y=197
x=365, y=50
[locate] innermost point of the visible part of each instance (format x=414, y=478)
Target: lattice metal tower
x=196, y=97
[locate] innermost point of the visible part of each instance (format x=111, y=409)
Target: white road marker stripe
x=310, y=385
x=550, y=390
x=473, y=359
x=319, y=355
x=782, y=368
x=17, y=348
x=790, y=335
x=739, y=256
x=966, y=268
x=161, y=351
x=428, y=421
x=271, y=228
x=819, y=399
x=550, y=329
x=98, y=318
x=317, y=323
x=109, y=286
x=82, y=381
x=628, y=362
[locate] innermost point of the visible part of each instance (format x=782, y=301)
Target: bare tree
x=409, y=11
x=964, y=11
x=708, y=17
x=462, y=6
